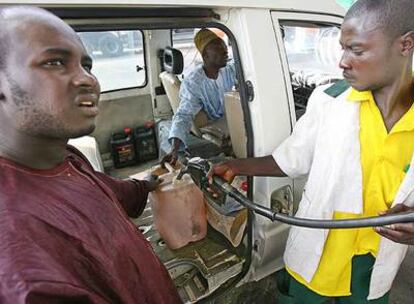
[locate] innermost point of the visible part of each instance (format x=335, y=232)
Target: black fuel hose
x=375, y=221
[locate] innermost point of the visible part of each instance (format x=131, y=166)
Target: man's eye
x=357, y=52
x=55, y=62
x=87, y=67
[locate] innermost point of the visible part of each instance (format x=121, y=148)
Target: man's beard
x=36, y=122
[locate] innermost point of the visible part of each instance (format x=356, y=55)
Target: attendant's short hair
x=394, y=17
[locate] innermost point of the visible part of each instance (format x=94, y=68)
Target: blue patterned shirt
x=198, y=92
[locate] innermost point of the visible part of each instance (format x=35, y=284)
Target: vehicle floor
x=198, y=268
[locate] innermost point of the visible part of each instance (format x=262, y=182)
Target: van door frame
x=269, y=238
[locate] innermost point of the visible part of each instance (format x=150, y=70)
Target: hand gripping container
x=179, y=210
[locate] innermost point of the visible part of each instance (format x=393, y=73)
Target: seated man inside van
x=202, y=89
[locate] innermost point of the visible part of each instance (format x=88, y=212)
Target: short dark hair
x=15, y=14
x=394, y=17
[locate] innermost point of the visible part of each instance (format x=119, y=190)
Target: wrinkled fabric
x=198, y=92
x=65, y=238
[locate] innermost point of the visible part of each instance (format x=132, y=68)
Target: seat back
x=173, y=64
x=235, y=123
x=88, y=146
x=171, y=85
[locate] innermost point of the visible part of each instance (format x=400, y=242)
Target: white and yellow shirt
x=355, y=169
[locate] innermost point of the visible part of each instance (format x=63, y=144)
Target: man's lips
x=346, y=75
x=88, y=100
x=88, y=103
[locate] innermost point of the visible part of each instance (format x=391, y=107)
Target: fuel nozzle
x=181, y=173
x=197, y=168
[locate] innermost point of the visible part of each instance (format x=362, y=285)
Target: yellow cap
x=203, y=38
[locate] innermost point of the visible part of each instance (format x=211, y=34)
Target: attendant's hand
x=399, y=233
x=226, y=171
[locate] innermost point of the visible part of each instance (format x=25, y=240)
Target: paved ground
x=403, y=290
x=263, y=292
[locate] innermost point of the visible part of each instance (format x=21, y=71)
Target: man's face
x=216, y=54
x=370, y=60
x=49, y=89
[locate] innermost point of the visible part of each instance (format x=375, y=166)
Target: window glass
x=118, y=58
x=313, y=54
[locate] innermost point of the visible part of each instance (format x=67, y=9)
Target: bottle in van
x=145, y=142
x=123, y=148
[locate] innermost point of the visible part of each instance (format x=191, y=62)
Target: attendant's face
x=216, y=54
x=371, y=59
x=48, y=86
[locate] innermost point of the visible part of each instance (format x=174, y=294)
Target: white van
x=282, y=50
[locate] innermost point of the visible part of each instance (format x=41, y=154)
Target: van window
x=118, y=58
x=313, y=53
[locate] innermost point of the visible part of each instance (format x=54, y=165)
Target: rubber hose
x=375, y=221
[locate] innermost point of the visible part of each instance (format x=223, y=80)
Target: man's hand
x=226, y=170
x=172, y=157
x=153, y=182
x=399, y=233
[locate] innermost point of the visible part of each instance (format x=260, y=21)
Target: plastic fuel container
x=179, y=211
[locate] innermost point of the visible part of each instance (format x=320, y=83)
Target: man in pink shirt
x=65, y=236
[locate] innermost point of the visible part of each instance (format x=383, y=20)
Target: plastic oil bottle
x=123, y=148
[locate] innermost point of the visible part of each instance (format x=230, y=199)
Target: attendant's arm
x=258, y=166
x=292, y=158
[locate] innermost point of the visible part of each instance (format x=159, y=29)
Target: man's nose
x=84, y=77
x=344, y=63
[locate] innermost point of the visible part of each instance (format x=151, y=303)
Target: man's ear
x=2, y=96
x=2, y=86
x=407, y=44
x=203, y=55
